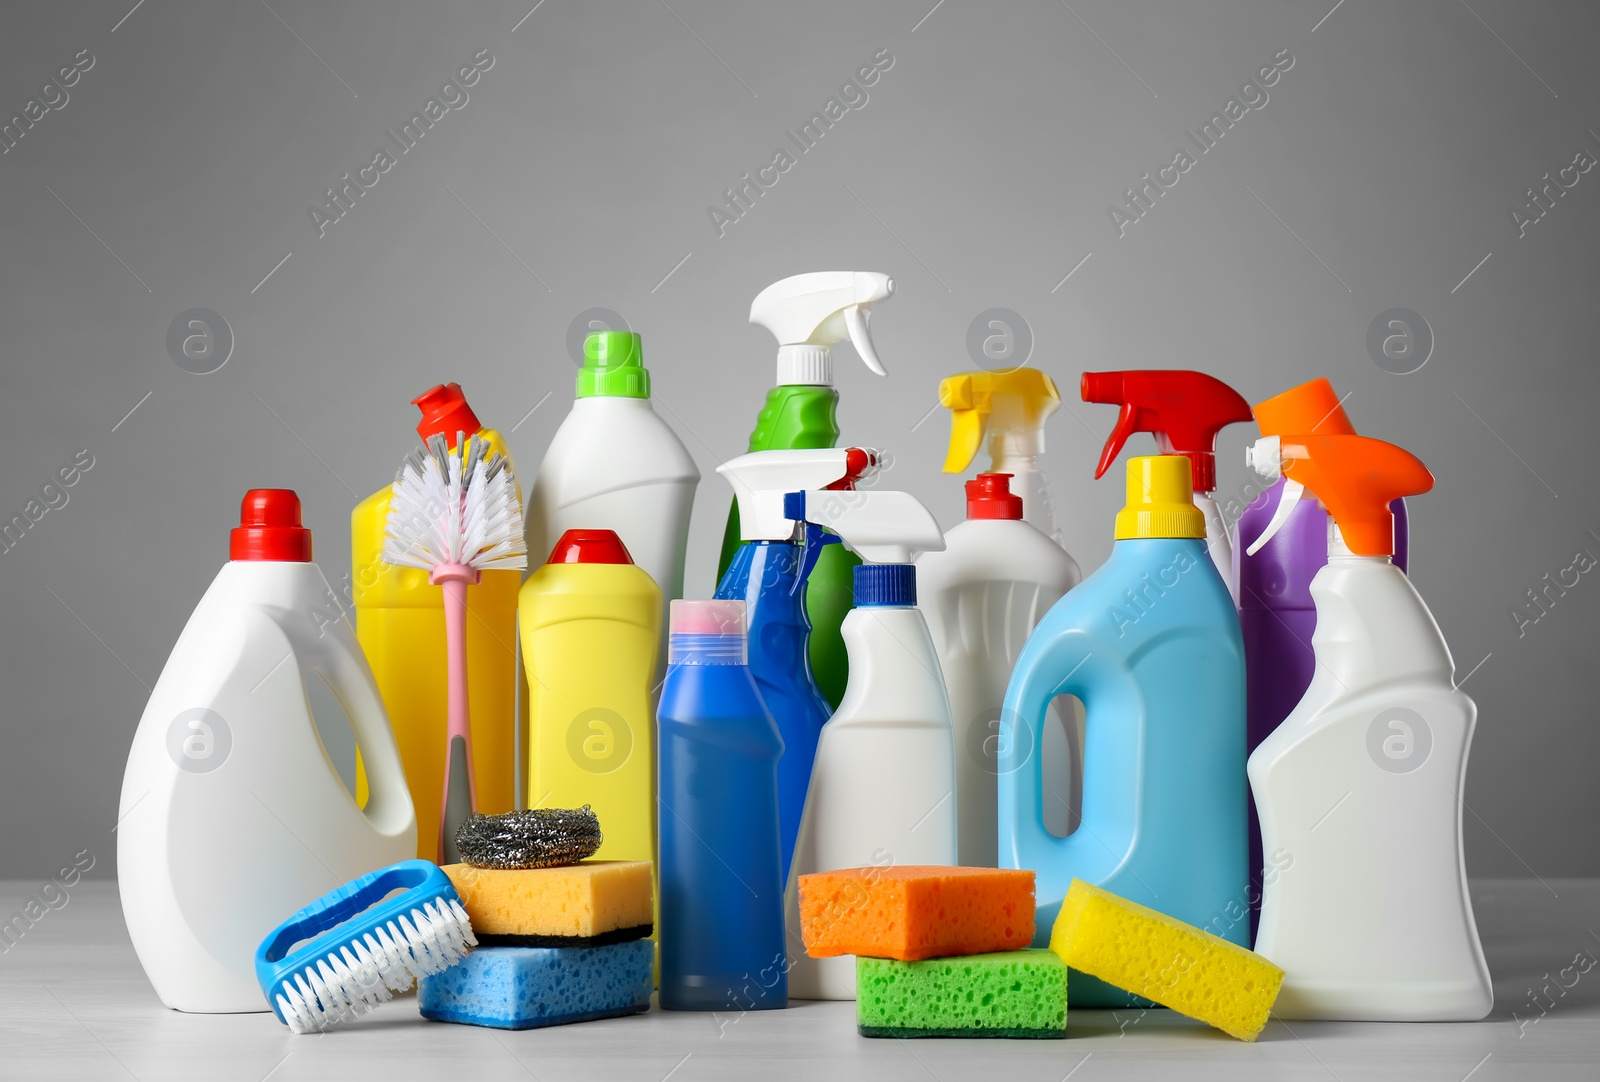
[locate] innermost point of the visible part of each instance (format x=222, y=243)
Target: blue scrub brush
x=359, y=949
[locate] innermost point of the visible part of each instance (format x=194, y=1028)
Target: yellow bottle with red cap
x=400, y=623
x=1360, y=789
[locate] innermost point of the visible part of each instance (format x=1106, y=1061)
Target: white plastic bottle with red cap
x=232, y=814
x=982, y=595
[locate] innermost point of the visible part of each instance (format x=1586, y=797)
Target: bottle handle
x=349, y=676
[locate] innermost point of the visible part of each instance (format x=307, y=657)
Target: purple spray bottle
x=1276, y=614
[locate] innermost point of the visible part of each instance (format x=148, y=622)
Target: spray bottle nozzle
x=1355, y=477
x=1184, y=410
x=881, y=527
x=808, y=313
x=1009, y=408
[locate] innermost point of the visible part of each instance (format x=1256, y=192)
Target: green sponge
x=1008, y=994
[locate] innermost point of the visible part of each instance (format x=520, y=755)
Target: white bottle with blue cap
x=883, y=787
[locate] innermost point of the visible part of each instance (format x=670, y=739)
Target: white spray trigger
x=1292, y=491
x=1266, y=458
x=809, y=313
x=855, y=320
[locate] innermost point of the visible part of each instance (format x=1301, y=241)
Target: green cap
x=613, y=364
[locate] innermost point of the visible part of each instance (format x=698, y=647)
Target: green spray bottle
x=808, y=313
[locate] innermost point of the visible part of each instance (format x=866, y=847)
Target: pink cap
x=707, y=617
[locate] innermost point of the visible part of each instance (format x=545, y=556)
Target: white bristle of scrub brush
x=347, y=983
x=455, y=507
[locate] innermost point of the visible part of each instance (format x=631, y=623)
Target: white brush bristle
x=455, y=507
x=371, y=968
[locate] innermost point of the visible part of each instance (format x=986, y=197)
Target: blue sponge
x=526, y=987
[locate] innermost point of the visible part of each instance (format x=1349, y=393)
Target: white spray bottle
x=232, y=815
x=883, y=788
x=1359, y=789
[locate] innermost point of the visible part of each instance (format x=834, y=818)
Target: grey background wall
x=1379, y=173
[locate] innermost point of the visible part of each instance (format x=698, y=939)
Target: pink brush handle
x=454, y=580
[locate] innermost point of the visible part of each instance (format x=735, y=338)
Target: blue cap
x=886, y=585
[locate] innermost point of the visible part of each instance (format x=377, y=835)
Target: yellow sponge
x=1175, y=964
x=591, y=903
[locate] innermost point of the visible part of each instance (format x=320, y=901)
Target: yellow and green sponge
x=1175, y=964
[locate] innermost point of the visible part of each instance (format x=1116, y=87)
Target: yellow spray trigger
x=1014, y=403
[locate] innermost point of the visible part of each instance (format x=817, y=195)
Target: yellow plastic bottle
x=591, y=628
x=400, y=623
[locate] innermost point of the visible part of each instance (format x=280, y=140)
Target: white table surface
x=74, y=1003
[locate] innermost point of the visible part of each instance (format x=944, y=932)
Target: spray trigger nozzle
x=855, y=321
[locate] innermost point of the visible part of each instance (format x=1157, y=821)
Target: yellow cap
x=1160, y=499
x=1016, y=402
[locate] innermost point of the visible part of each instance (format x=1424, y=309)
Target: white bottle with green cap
x=615, y=465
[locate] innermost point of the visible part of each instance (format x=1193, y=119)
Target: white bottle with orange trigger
x=1361, y=785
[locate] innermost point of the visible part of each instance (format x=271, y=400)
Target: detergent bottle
x=883, y=791
x=591, y=628
x=769, y=574
x=1362, y=784
x=721, y=890
x=1184, y=411
x=809, y=314
x=400, y=622
x=995, y=578
x=1004, y=413
x=1276, y=613
x=615, y=465
x=232, y=814
x=1150, y=643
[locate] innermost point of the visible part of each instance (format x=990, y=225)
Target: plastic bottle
x=591, y=622
x=809, y=314
x=1184, y=411
x=615, y=465
x=231, y=814
x=1361, y=786
x=1150, y=643
x=769, y=573
x=1004, y=412
x=982, y=595
x=722, y=943
x=883, y=791
x=1276, y=614
x=400, y=622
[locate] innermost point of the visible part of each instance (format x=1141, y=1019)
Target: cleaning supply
x=1363, y=781
x=721, y=892
x=912, y=913
x=982, y=595
x=1164, y=960
x=530, y=987
x=769, y=574
x=591, y=625
x=588, y=904
x=615, y=465
x=809, y=314
x=361, y=944
x=884, y=780
x=1150, y=644
x=1276, y=614
x=531, y=838
x=399, y=619
x=1184, y=411
x=231, y=814
x=455, y=514
x=1020, y=993
x=1004, y=413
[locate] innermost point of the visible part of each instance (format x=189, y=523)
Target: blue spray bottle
x=769, y=573
x=1150, y=643
x=721, y=891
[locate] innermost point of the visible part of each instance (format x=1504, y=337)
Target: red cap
x=989, y=495
x=857, y=461
x=590, y=547
x=1184, y=410
x=269, y=528
x=445, y=412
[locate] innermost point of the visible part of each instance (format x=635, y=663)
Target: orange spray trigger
x=1355, y=477
x=1183, y=409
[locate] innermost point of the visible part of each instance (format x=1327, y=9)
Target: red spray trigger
x=1183, y=409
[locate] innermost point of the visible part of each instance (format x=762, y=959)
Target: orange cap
x=1356, y=478
x=1310, y=407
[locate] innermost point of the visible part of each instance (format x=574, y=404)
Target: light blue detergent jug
x=1150, y=643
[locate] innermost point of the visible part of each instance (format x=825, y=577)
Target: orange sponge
x=913, y=913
